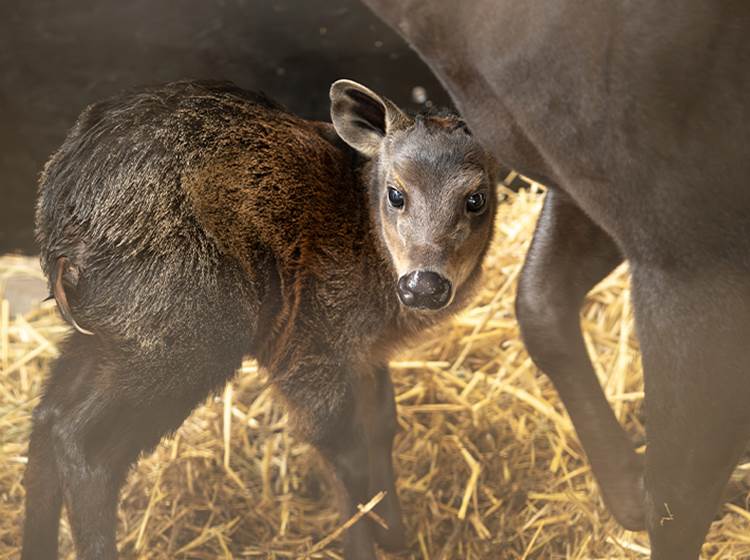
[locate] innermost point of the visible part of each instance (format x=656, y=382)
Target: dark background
x=56, y=57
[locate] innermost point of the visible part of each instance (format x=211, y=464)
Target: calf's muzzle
x=424, y=289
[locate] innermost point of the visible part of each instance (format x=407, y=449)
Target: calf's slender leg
x=324, y=410
x=101, y=409
x=43, y=491
x=568, y=256
x=694, y=327
x=58, y=463
x=381, y=424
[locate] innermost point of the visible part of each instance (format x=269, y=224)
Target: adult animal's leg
x=568, y=256
x=694, y=327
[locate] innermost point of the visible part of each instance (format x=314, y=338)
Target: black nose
x=424, y=289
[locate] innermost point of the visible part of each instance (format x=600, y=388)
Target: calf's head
x=431, y=188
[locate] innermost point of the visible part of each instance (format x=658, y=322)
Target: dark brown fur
x=200, y=224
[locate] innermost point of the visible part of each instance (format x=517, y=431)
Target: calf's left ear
x=362, y=118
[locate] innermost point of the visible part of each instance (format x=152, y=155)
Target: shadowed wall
x=56, y=57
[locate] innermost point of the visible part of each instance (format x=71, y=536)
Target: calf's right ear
x=362, y=118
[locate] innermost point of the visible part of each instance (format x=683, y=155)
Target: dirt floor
x=488, y=464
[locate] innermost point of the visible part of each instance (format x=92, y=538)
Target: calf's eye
x=475, y=202
x=395, y=198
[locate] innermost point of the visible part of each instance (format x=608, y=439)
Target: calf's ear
x=362, y=118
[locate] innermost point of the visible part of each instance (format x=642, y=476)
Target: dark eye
x=475, y=202
x=395, y=198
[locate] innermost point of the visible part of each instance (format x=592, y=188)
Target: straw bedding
x=488, y=464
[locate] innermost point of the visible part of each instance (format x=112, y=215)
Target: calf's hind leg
x=568, y=256
x=99, y=411
x=42, y=479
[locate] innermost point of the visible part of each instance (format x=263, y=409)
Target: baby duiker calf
x=187, y=226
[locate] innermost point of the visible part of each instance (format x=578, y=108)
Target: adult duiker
x=637, y=115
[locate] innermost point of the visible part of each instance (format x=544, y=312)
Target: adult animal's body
x=637, y=114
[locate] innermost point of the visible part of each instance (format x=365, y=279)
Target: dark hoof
x=632, y=520
x=627, y=504
x=358, y=543
x=392, y=539
x=359, y=552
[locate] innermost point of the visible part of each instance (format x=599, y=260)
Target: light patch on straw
x=631, y=546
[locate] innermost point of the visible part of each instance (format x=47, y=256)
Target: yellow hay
x=488, y=464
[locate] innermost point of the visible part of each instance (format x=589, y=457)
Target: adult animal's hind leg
x=568, y=256
x=694, y=329
x=380, y=422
